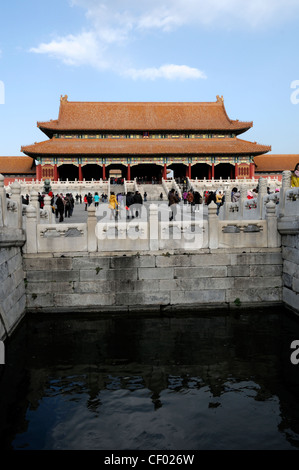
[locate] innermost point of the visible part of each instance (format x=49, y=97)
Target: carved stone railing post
x=213, y=226
x=17, y=198
x=286, y=184
x=91, y=229
x=273, y=236
x=227, y=200
x=153, y=232
x=34, y=202
x=261, y=194
x=31, y=230
x=48, y=208
x=242, y=200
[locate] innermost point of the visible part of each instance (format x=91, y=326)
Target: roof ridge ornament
x=220, y=99
x=63, y=98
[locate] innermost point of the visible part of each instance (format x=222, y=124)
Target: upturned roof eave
x=56, y=127
x=36, y=149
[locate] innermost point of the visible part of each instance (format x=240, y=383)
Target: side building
x=273, y=165
x=97, y=140
x=17, y=168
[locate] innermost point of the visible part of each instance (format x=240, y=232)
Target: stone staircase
x=153, y=191
x=117, y=188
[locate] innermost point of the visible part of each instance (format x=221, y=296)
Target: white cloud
x=118, y=25
x=75, y=50
x=169, y=72
x=166, y=15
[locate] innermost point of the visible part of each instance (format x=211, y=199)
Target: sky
x=158, y=50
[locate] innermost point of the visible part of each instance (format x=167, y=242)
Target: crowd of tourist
x=130, y=202
x=63, y=205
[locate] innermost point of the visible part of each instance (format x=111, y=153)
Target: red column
x=236, y=170
x=210, y=173
x=55, y=172
x=213, y=170
x=129, y=172
x=189, y=171
x=38, y=172
x=251, y=170
x=104, y=171
x=80, y=173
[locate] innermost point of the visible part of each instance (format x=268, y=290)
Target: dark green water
x=213, y=381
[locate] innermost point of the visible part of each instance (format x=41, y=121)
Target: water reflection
x=214, y=381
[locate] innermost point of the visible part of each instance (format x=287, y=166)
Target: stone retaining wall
x=134, y=281
x=290, y=253
x=12, y=289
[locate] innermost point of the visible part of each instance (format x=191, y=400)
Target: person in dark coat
x=137, y=203
x=60, y=207
x=172, y=202
x=197, y=200
x=129, y=205
x=67, y=206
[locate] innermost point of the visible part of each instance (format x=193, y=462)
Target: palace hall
x=99, y=140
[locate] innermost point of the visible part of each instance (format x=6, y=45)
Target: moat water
x=183, y=381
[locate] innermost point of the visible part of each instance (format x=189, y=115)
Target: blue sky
x=162, y=50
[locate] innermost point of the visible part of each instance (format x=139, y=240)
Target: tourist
x=212, y=196
x=185, y=194
x=197, y=200
x=96, y=199
x=145, y=197
x=41, y=200
x=72, y=201
x=190, y=199
x=113, y=204
x=161, y=196
x=295, y=177
x=51, y=195
x=235, y=196
x=89, y=199
x=219, y=197
x=85, y=201
x=172, y=202
x=67, y=206
x=77, y=198
x=60, y=206
x=120, y=200
x=24, y=200
x=55, y=205
x=137, y=203
x=129, y=205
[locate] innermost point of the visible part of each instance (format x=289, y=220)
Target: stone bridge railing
x=227, y=184
x=150, y=235
x=74, y=187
